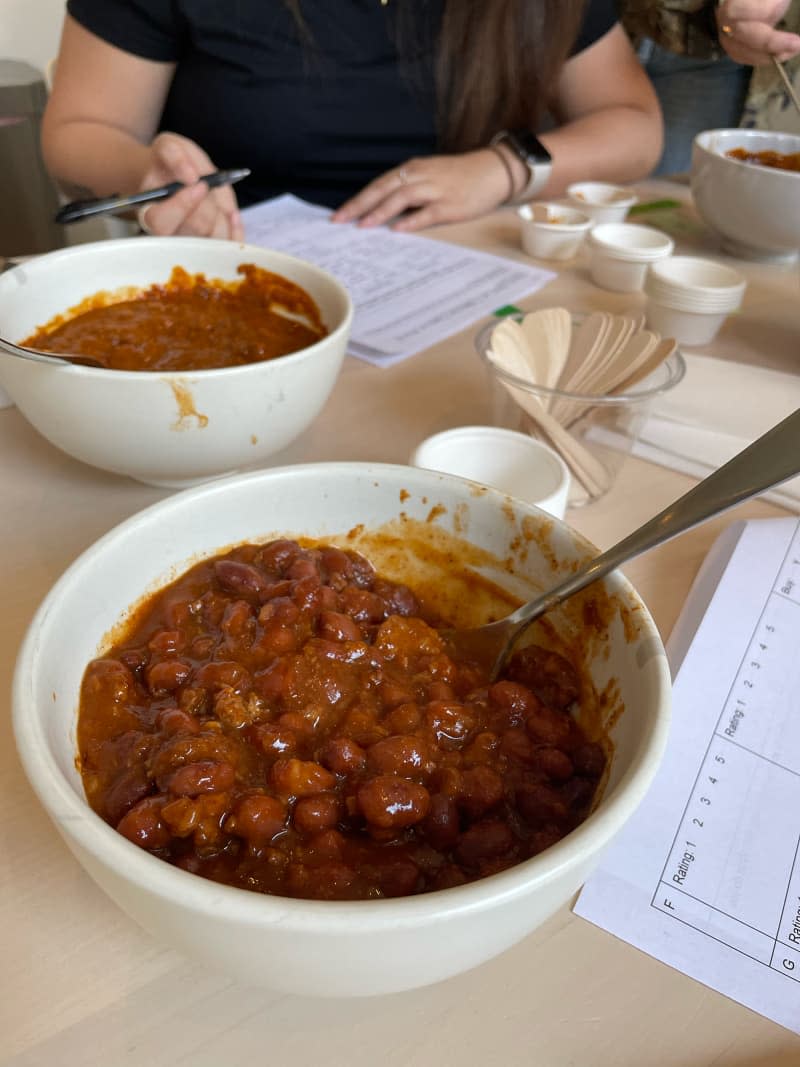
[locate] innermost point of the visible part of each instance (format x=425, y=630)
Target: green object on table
x=507, y=309
x=654, y=205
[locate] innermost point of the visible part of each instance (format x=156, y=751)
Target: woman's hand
x=747, y=31
x=195, y=210
x=433, y=190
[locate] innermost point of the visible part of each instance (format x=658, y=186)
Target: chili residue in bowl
x=776, y=160
x=188, y=323
x=282, y=719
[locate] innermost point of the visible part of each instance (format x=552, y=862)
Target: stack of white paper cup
x=621, y=253
x=689, y=298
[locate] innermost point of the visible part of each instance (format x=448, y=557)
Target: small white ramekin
x=621, y=252
x=689, y=298
x=558, y=235
x=508, y=460
x=601, y=201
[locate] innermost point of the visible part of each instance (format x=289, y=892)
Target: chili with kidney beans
x=282, y=719
x=189, y=323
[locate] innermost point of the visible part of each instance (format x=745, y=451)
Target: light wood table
x=80, y=984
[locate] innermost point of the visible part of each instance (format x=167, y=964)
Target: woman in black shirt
x=379, y=108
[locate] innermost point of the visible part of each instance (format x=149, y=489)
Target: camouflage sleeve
x=686, y=27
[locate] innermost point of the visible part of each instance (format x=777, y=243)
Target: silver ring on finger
x=141, y=218
x=403, y=176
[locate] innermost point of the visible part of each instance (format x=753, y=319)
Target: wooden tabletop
x=81, y=984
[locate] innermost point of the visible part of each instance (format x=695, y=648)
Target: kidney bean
x=277, y=556
x=277, y=741
x=303, y=568
x=205, y=777
x=336, y=565
x=553, y=763
x=448, y=721
x=362, y=605
x=258, y=819
x=315, y=813
x=398, y=877
x=336, y=626
x=577, y=794
x=331, y=881
x=269, y=683
x=448, y=877
x=222, y=674
x=441, y=825
x=240, y=579
x=110, y=680
x=393, y=693
x=481, y=790
x=144, y=826
x=239, y=624
x=515, y=701
x=167, y=676
x=327, y=844
x=203, y=647
x=174, y=721
x=540, y=804
x=404, y=755
x=551, y=677
x=173, y=752
x=404, y=719
x=129, y=787
x=391, y=803
x=300, y=778
x=589, y=759
x=193, y=701
x=399, y=599
x=166, y=641
x=548, y=727
x=362, y=573
x=485, y=840
x=281, y=610
x=517, y=745
x=482, y=748
x=343, y=756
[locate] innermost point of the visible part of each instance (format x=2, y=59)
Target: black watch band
x=533, y=154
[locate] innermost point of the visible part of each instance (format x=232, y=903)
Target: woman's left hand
x=431, y=190
x=747, y=31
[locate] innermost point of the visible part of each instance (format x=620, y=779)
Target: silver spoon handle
x=768, y=461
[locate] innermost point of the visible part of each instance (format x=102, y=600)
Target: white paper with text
x=706, y=875
x=409, y=292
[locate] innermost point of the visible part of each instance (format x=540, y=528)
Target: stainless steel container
x=28, y=196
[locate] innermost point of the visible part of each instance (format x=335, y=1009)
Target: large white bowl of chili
x=467, y=552
x=192, y=384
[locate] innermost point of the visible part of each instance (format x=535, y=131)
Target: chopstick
x=110, y=205
x=787, y=82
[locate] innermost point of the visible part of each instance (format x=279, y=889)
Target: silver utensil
x=46, y=357
x=768, y=461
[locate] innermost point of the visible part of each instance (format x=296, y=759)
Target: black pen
x=110, y=205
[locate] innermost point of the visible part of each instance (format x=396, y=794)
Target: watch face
x=530, y=146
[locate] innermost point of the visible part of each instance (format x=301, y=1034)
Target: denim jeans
x=695, y=95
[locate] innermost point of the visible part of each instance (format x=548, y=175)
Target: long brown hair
x=497, y=62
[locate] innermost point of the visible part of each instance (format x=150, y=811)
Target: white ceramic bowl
x=515, y=463
x=689, y=298
x=173, y=428
x=755, y=209
x=318, y=947
x=620, y=253
x=559, y=235
x=601, y=201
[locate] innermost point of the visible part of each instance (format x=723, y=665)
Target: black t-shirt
x=318, y=117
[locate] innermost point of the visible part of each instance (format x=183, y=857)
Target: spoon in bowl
x=46, y=357
x=771, y=459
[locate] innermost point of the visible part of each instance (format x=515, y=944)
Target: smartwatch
x=533, y=154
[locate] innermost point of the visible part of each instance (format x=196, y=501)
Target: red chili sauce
x=189, y=323
x=776, y=160
x=282, y=719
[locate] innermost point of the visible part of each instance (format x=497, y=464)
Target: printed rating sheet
x=706, y=876
x=409, y=291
